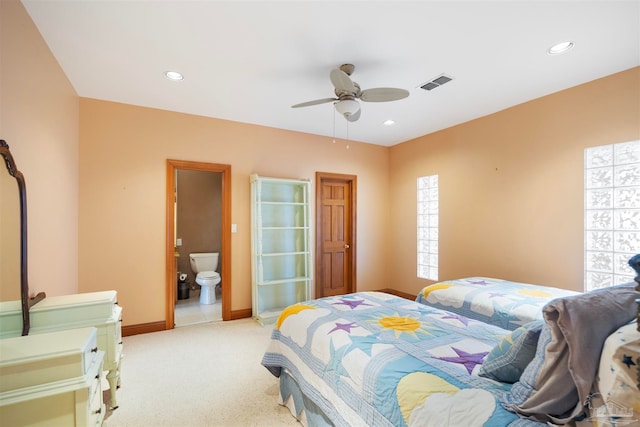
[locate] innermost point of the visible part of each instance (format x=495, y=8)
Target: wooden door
x=335, y=234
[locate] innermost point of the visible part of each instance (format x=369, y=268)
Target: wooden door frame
x=352, y=181
x=225, y=255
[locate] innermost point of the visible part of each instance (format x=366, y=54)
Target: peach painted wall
x=39, y=120
x=511, y=185
x=123, y=153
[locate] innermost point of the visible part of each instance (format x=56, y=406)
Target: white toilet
x=204, y=265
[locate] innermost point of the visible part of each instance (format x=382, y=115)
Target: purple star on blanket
x=344, y=327
x=469, y=360
x=351, y=303
x=496, y=294
x=462, y=319
x=478, y=282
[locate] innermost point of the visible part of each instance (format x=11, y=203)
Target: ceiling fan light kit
x=347, y=107
x=348, y=92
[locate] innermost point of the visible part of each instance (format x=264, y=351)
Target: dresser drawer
x=110, y=339
x=118, y=311
x=95, y=374
x=37, y=359
x=71, y=309
x=35, y=397
x=96, y=408
x=58, y=312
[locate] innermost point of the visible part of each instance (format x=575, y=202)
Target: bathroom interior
x=198, y=228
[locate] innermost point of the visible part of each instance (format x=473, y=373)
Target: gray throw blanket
x=560, y=377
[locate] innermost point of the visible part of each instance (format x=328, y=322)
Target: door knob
x=346, y=246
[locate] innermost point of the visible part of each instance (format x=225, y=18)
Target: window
x=612, y=213
x=428, y=227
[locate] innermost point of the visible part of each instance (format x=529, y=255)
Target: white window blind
x=428, y=227
x=612, y=213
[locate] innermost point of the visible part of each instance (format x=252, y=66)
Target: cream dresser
x=51, y=379
x=57, y=313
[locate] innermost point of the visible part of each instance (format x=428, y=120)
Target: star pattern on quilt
x=462, y=319
x=426, y=309
x=496, y=294
x=344, y=327
x=352, y=304
x=363, y=343
x=479, y=282
x=501, y=314
x=469, y=360
x=627, y=360
x=335, y=361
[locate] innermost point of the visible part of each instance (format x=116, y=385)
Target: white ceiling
x=249, y=61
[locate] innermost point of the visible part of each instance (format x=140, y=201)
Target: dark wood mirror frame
x=24, y=283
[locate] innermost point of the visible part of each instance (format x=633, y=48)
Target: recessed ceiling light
x=173, y=75
x=388, y=122
x=559, y=48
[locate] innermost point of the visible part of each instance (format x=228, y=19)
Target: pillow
x=513, y=353
x=617, y=385
x=561, y=374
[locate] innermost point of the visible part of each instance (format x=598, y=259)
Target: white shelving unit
x=281, y=267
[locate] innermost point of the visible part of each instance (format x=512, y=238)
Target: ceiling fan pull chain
x=347, y=134
x=333, y=114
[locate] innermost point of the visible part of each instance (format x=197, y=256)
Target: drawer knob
x=94, y=350
x=120, y=342
x=98, y=411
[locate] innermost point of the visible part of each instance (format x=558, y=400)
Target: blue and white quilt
x=495, y=301
x=374, y=359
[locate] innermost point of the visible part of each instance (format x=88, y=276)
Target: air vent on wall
x=436, y=82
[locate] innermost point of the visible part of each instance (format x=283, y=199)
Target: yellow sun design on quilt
x=402, y=324
x=436, y=287
x=291, y=310
x=534, y=293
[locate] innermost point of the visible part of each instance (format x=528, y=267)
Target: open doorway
x=214, y=181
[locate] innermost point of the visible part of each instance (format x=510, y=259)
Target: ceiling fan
x=348, y=92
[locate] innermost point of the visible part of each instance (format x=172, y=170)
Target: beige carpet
x=201, y=375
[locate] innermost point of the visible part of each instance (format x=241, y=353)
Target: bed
x=500, y=302
x=350, y=354
x=375, y=359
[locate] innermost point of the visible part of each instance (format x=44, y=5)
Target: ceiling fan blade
x=342, y=82
x=314, y=102
x=353, y=117
x=383, y=94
